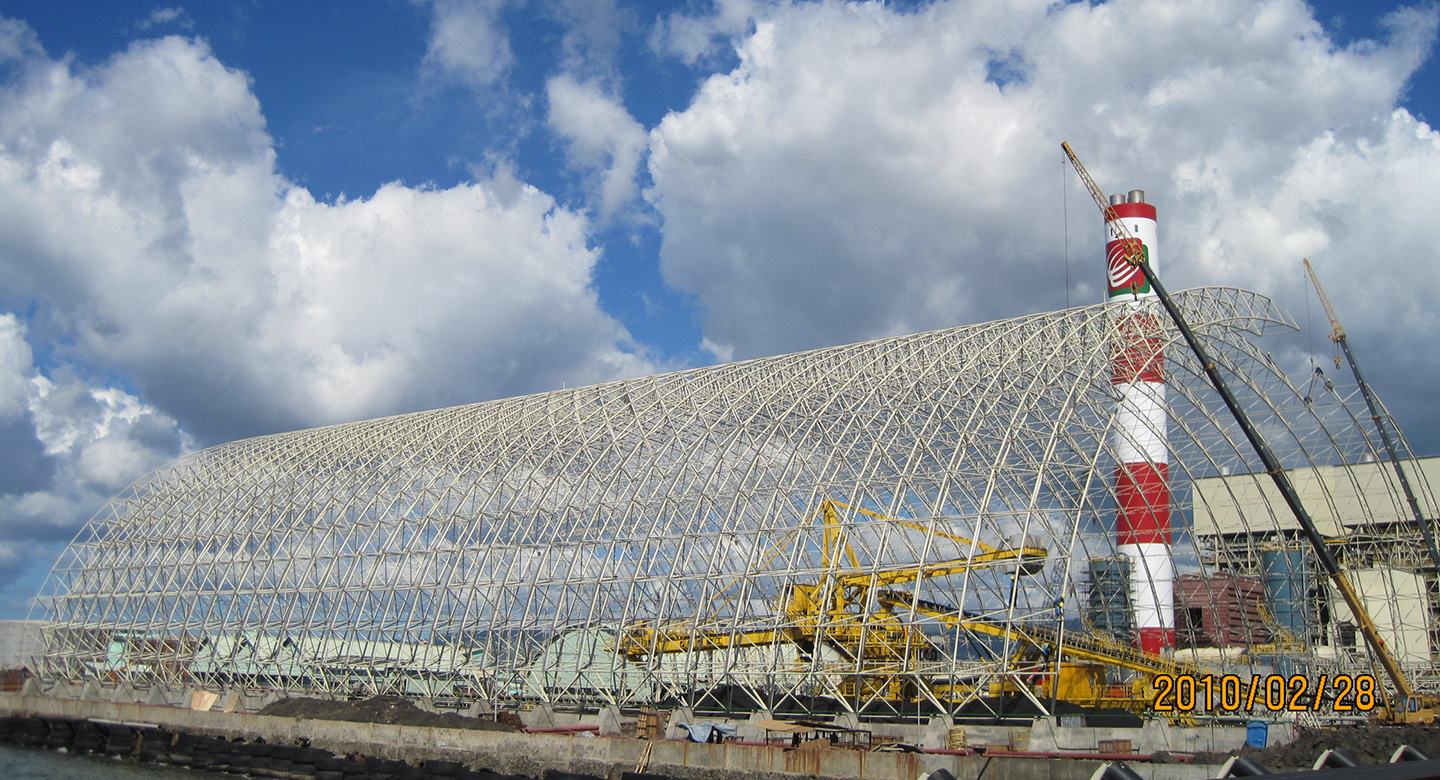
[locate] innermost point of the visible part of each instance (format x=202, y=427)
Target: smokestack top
x=1117, y=199
x=1136, y=196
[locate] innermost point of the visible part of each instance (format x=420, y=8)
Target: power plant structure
x=1055, y=509
x=1142, y=477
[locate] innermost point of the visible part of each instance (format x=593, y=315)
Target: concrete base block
x=245, y=701
x=610, y=721
x=480, y=709
x=541, y=716
x=159, y=697
x=937, y=733
x=750, y=731
x=677, y=716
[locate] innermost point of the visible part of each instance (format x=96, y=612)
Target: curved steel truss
x=877, y=525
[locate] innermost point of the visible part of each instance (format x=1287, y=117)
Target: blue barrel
x=1287, y=585
x=1256, y=732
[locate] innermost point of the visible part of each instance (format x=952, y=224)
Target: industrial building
x=910, y=524
x=1363, y=514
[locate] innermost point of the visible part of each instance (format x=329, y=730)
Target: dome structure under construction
x=910, y=522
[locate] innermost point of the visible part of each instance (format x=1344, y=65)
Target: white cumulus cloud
x=167, y=15
x=695, y=37
x=866, y=170
x=145, y=231
x=66, y=446
x=140, y=205
x=602, y=136
x=468, y=41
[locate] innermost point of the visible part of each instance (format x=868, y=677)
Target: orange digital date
x=1187, y=693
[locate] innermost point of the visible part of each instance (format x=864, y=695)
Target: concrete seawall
x=606, y=757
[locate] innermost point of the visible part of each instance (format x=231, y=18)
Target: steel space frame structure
x=501, y=551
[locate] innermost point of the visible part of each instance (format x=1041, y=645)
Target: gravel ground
x=1371, y=744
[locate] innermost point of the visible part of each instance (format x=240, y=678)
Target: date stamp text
x=1187, y=693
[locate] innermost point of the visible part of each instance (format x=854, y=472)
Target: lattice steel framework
x=508, y=550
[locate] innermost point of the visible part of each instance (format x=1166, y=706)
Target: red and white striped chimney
x=1142, y=487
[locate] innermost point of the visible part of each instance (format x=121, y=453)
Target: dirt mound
x=385, y=709
x=1369, y=744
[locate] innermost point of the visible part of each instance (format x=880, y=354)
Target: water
x=19, y=763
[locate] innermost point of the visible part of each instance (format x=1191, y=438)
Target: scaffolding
x=505, y=552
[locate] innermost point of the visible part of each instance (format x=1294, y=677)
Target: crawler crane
x=1337, y=335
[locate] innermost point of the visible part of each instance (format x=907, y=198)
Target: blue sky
x=350, y=105
x=228, y=219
